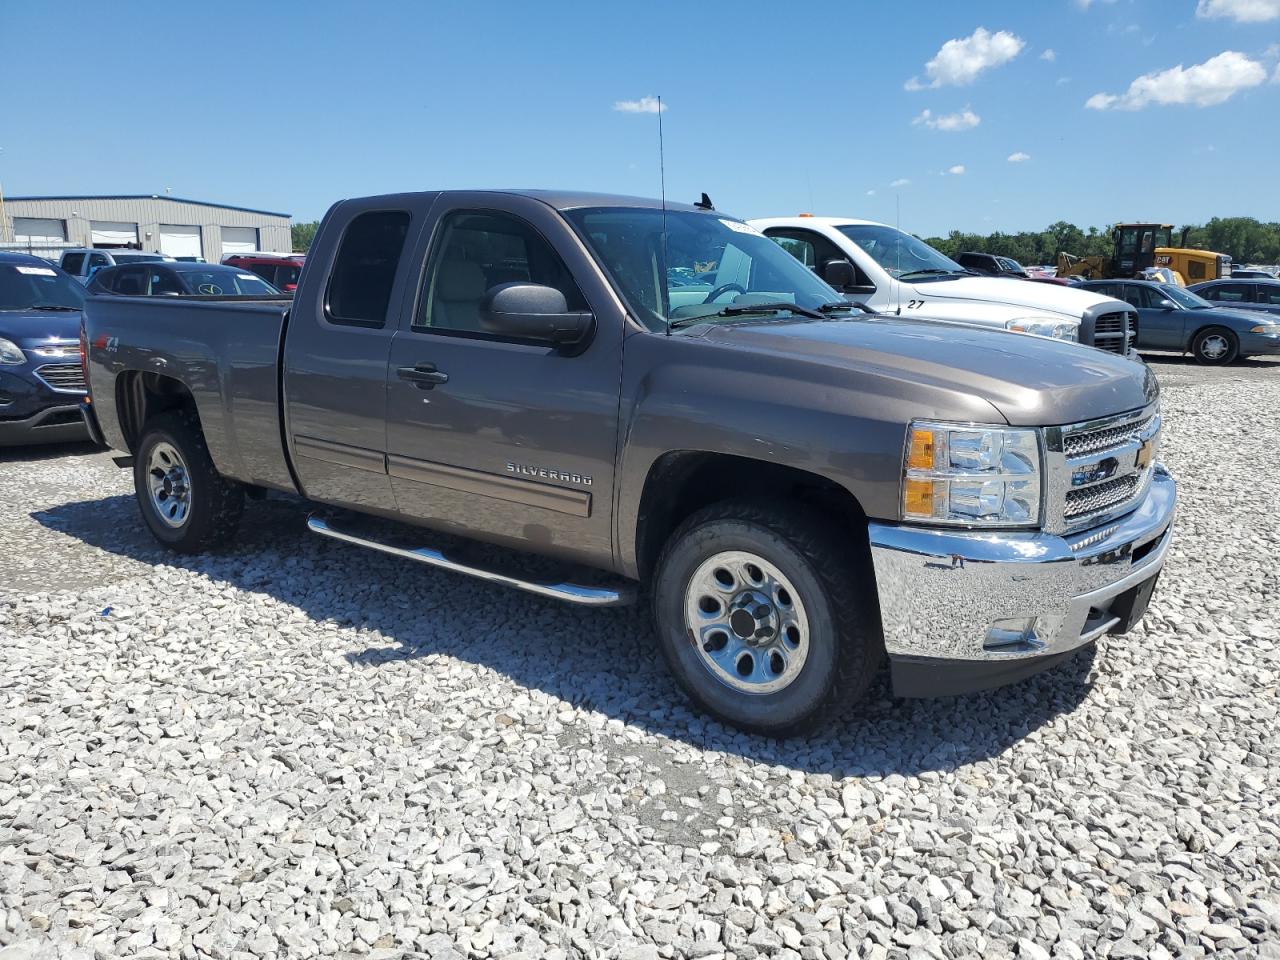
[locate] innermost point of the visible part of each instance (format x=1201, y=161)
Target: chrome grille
x=1098, y=470
x=63, y=377
x=1101, y=496
x=1096, y=441
x=1111, y=333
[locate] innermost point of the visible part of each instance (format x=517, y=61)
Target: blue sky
x=772, y=108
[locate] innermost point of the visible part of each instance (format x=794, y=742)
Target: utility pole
x=6, y=234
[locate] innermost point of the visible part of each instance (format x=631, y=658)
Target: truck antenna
x=662, y=187
x=897, y=255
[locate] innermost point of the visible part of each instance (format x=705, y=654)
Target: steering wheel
x=722, y=290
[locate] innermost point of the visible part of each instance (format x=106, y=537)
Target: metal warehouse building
x=182, y=228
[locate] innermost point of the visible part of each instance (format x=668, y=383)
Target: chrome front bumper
x=969, y=596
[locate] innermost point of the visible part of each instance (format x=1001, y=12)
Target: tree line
x=1245, y=239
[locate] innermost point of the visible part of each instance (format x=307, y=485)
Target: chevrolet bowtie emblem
x=1145, y=453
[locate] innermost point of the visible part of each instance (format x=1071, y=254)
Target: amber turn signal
x=920, y=456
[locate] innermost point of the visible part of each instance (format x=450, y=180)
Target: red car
x=280, y=269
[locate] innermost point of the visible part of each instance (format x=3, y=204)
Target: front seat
x=460, y=287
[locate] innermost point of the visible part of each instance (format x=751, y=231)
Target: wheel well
x=1213, y=326
x=683, y=482
x=142, y=395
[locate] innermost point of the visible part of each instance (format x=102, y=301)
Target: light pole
x=5, y=233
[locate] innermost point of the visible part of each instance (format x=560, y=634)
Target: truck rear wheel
x=766, y=619
x=186, y=503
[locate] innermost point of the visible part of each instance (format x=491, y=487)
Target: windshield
x=225, y=281
x=711, y=263
x=899, y=253
x=31, y=286
x=1182, y=297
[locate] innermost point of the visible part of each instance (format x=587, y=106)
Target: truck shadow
x=598, y=659
x=46, y=451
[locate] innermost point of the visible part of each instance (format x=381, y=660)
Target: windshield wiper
x=52, y=306
x=934, y=272
x=846, y=305
x=744, y=309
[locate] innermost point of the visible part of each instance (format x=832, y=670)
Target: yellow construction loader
x=1140, y=246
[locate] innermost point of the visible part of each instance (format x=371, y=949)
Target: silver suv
x=83, y=262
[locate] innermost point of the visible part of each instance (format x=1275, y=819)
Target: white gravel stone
x=302, y=749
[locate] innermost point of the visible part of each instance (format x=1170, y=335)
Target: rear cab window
x=364, y=270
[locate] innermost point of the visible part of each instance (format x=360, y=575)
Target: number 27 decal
x=914, y=304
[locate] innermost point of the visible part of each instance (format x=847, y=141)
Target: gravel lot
x=299, y=748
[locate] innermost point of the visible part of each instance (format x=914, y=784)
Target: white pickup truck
x=893, y=272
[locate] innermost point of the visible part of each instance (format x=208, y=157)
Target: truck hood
x=31, y=328
x=1031, y=381
x=1050, y=297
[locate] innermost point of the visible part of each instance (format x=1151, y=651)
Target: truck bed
x=224, y=350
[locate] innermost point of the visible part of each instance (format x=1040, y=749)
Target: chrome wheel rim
x=1214, y=346
x=747, y=622
x=169, y=484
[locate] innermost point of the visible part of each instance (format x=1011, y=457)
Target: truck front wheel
x=765, y=617
x=187, y=505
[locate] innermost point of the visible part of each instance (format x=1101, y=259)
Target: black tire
x=836, y=589
x=213, y=503
x=1207, y=342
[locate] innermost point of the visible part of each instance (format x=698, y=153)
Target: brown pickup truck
x=668, y=397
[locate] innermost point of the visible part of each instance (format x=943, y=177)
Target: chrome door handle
x=423, y=375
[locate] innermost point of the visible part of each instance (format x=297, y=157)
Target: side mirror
x=1166, y=304
x=839, y=274
x=530, y=311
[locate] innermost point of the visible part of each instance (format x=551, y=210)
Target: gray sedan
x=1173, y=318
x=1261, y=295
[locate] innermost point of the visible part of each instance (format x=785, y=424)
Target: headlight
x=972, y=475
x=1046, y=327
x=1272, y=328
x=10, y=353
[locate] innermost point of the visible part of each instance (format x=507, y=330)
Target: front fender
x=848, y=427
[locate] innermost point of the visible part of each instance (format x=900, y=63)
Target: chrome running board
x=622, y=594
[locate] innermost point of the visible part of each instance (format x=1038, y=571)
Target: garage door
x=239, y=240
x=109, y=233
x=37, y=230
x=180, y=241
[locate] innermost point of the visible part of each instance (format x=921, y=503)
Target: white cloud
x=1241, y=11
x=871, y=193
x=1049, y=55
x=901, y=182
x=966, y=119
x=643, y=105
x=1019, y=157
x=1203, y=84
x=1275, y=77
x=958, y=62
x=956, y=171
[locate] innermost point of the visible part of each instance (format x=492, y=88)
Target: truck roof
x=575, y=199
x=825, y=221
